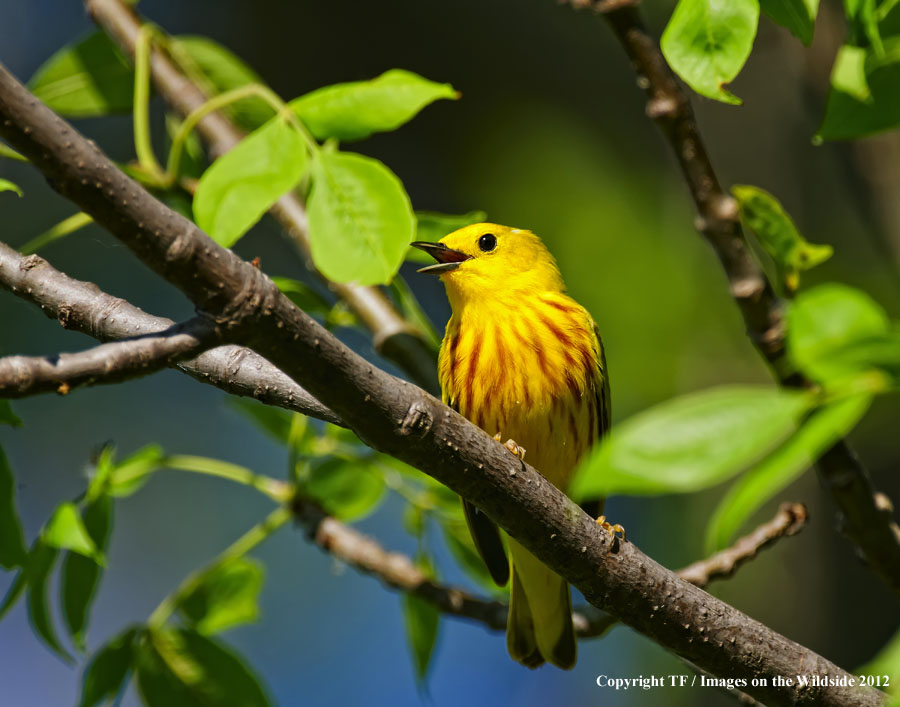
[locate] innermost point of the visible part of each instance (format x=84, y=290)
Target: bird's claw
x=513, y=447
x=612, y=529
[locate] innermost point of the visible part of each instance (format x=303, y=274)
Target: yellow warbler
x=523, y=359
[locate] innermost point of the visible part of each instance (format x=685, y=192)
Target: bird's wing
x=594, y=506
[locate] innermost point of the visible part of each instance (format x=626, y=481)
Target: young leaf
x=865, y=93
x=691, y=442
x=421, y=620
x=181, y=668
x=7, y=416
x=12, y=541
x=707, y=42
x=130, y=474
x=105, y=674
x=228, y=596
x=6, y=185
x=799, y=16
x=81, y=576
x=88, y=78
x=303, y=296
x=348, y=489
x=353, y=111
x=765, y=216
x=239, y=187
x=360, y=219
x=65, y=530
x=749, y=493
x=826, y=319
x=41, y=561
x=432, y=226
x=218, y=70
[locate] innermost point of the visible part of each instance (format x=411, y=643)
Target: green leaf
x=14, y=593
x=181, y=668
x=12, y=541
x=105, y=675
x=217, y=70
x=80, y=575
x=459, y=541
x=240, y=186
x=303, y=296
x=62, y=229
x=885, y=662
x=413, y=313
x=707, y=42
x=865, y=93
x=347, y=489
x=88, y=78
x=7, y=416
x=879, y=353
x=65, y=530
x=791, y=252
x=353, y=111
x=691, y=442
x=799, y=16
x=749, y=493
x=432, y=226
x=227, y=596
x=828, y=318
x=129, y=475
x=360, y=219
x=6, y=185
x=41, y=561
x=421, y=620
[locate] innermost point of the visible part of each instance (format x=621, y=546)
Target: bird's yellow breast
x=530, y=368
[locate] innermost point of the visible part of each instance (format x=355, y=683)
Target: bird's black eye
x=487, y=242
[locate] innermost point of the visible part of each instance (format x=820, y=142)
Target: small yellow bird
x=521, y=358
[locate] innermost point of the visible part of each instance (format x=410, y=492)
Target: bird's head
x=485, y=258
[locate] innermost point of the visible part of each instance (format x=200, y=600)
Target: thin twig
x=865, y=519
x=395, y=417
x=393, y=337
x=82, y=306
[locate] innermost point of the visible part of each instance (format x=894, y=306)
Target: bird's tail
x=540, y=613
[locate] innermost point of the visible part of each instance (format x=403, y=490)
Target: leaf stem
x=240, y=547
x=273, y=488
x=143, y=146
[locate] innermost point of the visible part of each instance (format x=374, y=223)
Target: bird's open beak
x=447, y=258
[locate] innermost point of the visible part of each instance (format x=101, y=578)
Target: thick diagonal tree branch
x=393, y=337
x=22, y=376
x=396, y=417
x=82, y=306
x=866, y=515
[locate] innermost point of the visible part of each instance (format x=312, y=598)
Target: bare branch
x=22, y=376
x=397, y=418
x=393, y=337
x=83, y=307
x=865, y=519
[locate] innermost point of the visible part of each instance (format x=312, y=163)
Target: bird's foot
x=612, y=529
x=513, y=447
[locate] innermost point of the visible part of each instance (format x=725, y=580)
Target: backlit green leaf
x=360, y=219
x=12, y=541
x=749, y=493
x=80, y=575
x=227, y=596
x=707, y=42
x=799, y=16
x=217, y=70
x=105, y=674
x=421, y=620
x=181, y=668
x=691, y=442
x=826, y=319
x=126, y=477
x=348, y=489
x=65, y=530
x=88, y=78
x=41, y=561
x=352, y=111
x=239, y=187
x=791, y=252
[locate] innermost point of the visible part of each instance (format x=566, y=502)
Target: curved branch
x=393, y=337
x=396, y=417
x=865, y=518
x=22, y=376
x=83, y=307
